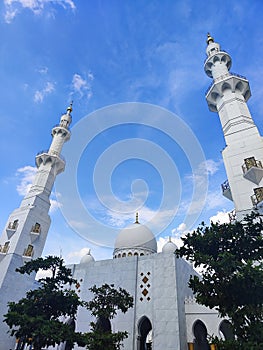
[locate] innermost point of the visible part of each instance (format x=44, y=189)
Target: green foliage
x=37, y=316
x=232, y=280
x=108, y=300
x=104, y=306
x=237, y=345
x=98, y=340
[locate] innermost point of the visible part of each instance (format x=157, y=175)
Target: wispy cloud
x=41, y=94
x=26, y=176
x=78, y=253
x=14, y=7
x=82, y=85
x=176, y=237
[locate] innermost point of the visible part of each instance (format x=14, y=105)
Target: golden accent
x=70, y=109
x=209, y=39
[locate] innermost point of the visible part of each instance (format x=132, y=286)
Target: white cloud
x=178, y=231
x=206, y=168
x=221, y=217
x=43, y=70
x=43, y=274
x=82, y=85
x=26, y=174
x=78, y=253
x=54, y=205
x=13, y=7
x=40, y=94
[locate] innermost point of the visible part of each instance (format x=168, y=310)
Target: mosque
x=165, y=314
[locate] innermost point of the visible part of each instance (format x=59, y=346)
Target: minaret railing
x=251, y=162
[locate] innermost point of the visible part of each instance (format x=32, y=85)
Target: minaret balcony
x=44, y=157
x=229, y=81
x=11, y=228
x=62, y=131
x=226, y=190
x=252, y=170
x=214, y=57
x=28, y=253
x=257, y=198
x=4, y=249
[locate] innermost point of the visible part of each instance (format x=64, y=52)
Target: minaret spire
x=26, y=230
x=243, y=155
x=209, y=39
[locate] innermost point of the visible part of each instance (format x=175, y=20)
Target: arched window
x=200, y=333
x=130, y=254
x=226, y=330
x=144, y=340
x=123, y=255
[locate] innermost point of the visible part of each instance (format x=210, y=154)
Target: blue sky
x=106, y=53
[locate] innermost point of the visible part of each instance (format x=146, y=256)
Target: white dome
x=136, y=236
x=169, y=247
x=87, y=258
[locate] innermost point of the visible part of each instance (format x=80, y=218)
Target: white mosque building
x=165, y=314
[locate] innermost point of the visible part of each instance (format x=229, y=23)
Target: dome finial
x=209, y=39
x=70, y=109
x=137, y=218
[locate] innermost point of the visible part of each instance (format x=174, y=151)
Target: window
x=29, y=251
x=4, y=249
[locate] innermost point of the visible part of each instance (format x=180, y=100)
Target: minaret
x=243, y=154
x=26, y=230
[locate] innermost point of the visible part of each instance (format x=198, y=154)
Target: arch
x=226, y=330
x=225, y=87
x=246, y=95
x=129, y=253
x=216, y=59
x=200, y=334
x=123, y=255
x=144, y=334
x=240, y=86
x=224, y=58
x=214, y=96
x=119, y=255
x=141, y=254
x=136, y=254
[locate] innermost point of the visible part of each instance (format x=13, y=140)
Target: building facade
x=27, y=227
x=165, y=314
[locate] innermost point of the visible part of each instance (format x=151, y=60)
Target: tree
x=37, y=318
x=232, y=280
x=104, y=306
